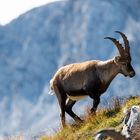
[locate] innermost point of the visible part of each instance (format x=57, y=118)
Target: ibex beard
x=91, y=78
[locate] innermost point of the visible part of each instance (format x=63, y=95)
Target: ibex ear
x=117, y=58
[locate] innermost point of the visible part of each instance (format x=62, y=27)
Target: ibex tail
x=51, y=91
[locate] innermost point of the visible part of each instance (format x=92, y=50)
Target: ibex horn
x=126, y=42
x=117, y=44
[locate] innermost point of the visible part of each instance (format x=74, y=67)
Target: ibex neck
x=108, y=70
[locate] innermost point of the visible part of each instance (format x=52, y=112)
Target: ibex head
x=124, y=60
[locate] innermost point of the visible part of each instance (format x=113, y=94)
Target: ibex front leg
x=96, y=102
x=96, y=99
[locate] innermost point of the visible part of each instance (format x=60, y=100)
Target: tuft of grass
x=105, y=118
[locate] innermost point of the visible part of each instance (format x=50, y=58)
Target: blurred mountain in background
x=35, y=45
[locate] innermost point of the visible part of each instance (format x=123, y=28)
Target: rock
x=131, y=127
x=104, y=134
x=131, y=122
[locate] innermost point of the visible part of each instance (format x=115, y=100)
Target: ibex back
x=91, y=78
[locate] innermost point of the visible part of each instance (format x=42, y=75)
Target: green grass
x=105, y=118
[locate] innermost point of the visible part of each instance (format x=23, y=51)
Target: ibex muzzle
x=91, y=78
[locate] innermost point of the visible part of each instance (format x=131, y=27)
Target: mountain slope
x=107, y=118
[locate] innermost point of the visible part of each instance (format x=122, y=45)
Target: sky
x=11, y=9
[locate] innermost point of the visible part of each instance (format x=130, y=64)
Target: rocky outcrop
x=130, y=130
x=104, y=134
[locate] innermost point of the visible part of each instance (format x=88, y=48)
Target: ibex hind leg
x=69, y=106
x=61, y=96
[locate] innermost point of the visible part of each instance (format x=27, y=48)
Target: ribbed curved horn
x=126, y=42
x=117, y=44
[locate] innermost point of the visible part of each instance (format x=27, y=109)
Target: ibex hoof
x=92, y=112
x=63, y=126
x=78, y=120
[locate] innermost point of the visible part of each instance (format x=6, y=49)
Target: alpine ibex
x=91, y=78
